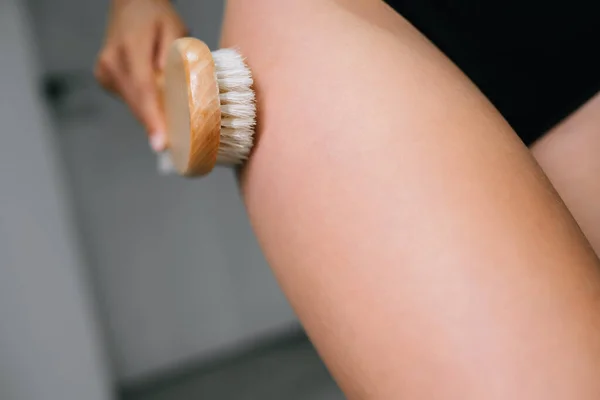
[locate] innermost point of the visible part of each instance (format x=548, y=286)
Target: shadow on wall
x=49, y=347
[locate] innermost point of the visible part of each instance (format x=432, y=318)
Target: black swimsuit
x=537, y=61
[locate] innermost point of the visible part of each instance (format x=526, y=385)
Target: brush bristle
x=238, y=111
x=238, y=108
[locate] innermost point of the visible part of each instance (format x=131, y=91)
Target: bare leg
x=422, y=247
x=570, y=156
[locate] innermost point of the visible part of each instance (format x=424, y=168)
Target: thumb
x=155, y=125
x=148, y=96
x=148, y=105
x=152, y=116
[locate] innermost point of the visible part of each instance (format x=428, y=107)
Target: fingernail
x=158, y=142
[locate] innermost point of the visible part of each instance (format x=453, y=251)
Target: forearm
x=419, y=243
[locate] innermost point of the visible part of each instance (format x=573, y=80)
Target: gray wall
x=177, y=271
x=49, y=347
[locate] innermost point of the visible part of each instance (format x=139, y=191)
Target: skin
x=569, y=156
x=422, y=246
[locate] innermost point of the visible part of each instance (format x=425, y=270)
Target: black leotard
x=537, y=61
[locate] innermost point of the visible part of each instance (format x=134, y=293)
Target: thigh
x=570, y=157
x=411, y=230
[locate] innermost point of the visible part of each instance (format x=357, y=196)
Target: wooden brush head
x=192, y=107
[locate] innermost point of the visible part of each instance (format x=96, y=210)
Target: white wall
x=49, y=347
x=177, y=270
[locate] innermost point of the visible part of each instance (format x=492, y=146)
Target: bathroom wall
x=50, y=346
x=177, y=273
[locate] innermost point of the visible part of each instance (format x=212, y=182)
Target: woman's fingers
x=168, y=34
x=145, y=95
x=137, y=40
x=105, y=70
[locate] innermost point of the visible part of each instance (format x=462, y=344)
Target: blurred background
x=115, y=282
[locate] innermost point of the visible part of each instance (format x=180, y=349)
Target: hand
x=138, y=36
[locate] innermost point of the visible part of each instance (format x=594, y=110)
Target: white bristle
x=238, y=110
x=238, y=107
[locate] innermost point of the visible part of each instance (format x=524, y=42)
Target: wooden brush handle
x=190, y=99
